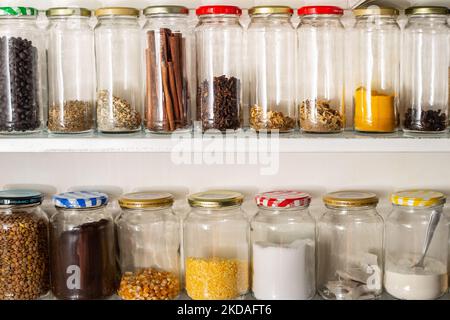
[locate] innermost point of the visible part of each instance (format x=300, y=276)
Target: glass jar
x=71, y=71
x=418, y=219
x=425, y=75
x=321, y=72
x=271, y=59
x=376, y=70
x=82, y=247
x=24, y=264
x=216, y=247
x=219, y=44
x=350, y=247
x=167, y=43
x=23, y=71
x=283, y=247
x=149, y=244
x=118, y=59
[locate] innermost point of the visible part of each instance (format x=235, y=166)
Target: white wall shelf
x=295, y=143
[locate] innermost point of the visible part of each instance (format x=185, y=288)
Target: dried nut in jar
x=74, y=116
x=270, y=120
x=149, y=284
x=116, y=115
x=320, y=116
x=216, y=278
x=24, y=262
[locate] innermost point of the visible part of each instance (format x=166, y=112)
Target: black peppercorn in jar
x=22, y=71
x=425, y=70
x=24, y=265
x=219, y=42
x=82, y=247
x=71, y=71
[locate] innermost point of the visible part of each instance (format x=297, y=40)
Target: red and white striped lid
x=283, y=199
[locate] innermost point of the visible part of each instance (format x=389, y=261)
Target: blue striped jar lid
x=19, y=197
x=80, y=199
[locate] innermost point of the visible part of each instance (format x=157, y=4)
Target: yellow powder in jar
x=374, y=113
x=216, y=278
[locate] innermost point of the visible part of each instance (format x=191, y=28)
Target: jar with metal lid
x=168, y=53
x=425, y=82
x=416, y=248
x=376, y=70
x=283, y=247
x=219, y=40
x=271, y=58
x=82, y=247
x=148, y=235
x=321, y=72
x=23, y=71
x=350, y=247
x=24, y=264
x=71, y=71
x=216, y=246
x=118, y=61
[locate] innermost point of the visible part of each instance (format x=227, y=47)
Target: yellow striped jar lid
x=418, y=198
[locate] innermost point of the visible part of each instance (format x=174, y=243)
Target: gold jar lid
x=350, y=199
x=264, y=10
x=166, y=10
x=216, y=199
x=67, y=11
x=418, y=198
x=375, y=11
x=427, y=10
x=143, y=200
x=117, y=11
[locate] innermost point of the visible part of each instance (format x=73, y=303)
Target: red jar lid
x=203, y=10
x=283, y=199
x=303, y=11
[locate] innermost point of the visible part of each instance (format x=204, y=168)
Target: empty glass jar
x=23, y=71
x=118, y=60
x=425, y=70
x=271, y=64
x=321, y=72
x=417, y=220
x=350, y=247
x=71, y=71
x=376, y=70
x=149, y=244
x=82, y=247
x=283, y=247
x=219, y=43
x=216, y=247
x=24, y=264
x=167, y=45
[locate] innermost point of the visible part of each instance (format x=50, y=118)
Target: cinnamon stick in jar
x=165, y=54
x=175, y=48
x=151, y=92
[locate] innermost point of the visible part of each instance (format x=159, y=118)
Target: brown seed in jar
x=24, y=272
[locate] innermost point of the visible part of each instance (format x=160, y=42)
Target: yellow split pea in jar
x=216, y=246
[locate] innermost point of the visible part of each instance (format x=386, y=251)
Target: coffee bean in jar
x=82, y=247
x=21, y=57
x=24, y=264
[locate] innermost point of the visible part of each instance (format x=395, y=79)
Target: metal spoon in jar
x=432, y=224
